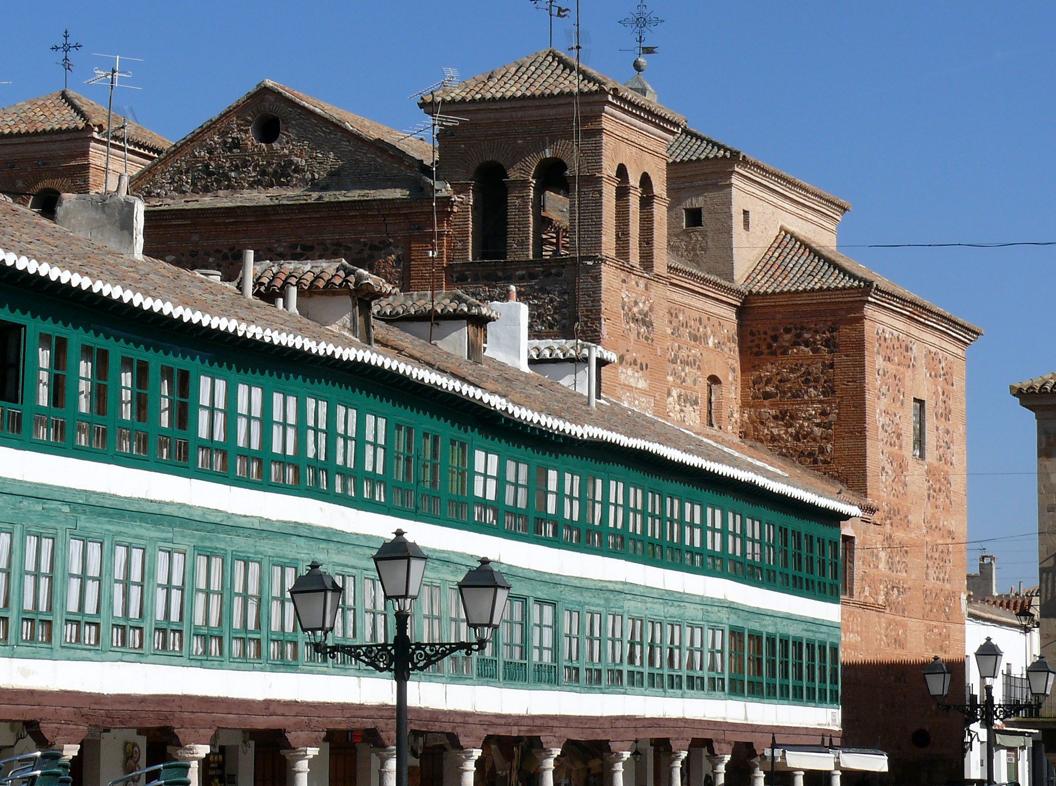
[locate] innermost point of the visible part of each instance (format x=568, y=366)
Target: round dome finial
x=640, y=64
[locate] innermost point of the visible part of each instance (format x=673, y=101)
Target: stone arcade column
x=297, y=765
x=614, y=762
x=546, y=765
x=797, y=777
x=718, y=768
x=387, y=766
x=192, y=754
x=67, y=752
x=467, y=765
x=834, y=778
x=674, y=763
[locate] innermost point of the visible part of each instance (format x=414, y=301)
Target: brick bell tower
x=512, y=160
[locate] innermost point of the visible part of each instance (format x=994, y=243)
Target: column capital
x=719, y=760
x=67, y=751
x=678, y=756
x=386, y=754
x=546, y=758
x=467, y=757
x=300, y=754
x=615, y=759
x=193, y=753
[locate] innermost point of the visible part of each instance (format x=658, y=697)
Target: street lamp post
x=401, y=566
x=1040, y=676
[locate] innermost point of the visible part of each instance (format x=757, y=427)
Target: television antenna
x=112, y=77
x=67, y=65
x=553, y=11
x=437, y=121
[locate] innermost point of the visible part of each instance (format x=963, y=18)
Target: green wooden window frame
x=457, y=630
x=514, y=637
x=317, y=429
x=403, y=466
x=375, y=619
x=345, y=479
x=12, y=376
x=285, y=458
x=247, y=577
x=6, y=557
x=572, y=507
x=547, y=499
x=127, y=614
x=38, y=587
x=52, y=366
x=347, y=625
x=207, y=605
x=212, y=448
x=696, y=658
x=572, y=645
x=515, y=502
x=736, y=661
x=283, y=634
x=430, y=490
x=174, y=407
x=458, y=480
x=249, y=431
x=716, y=659
x=544, y=643
x=430, y=609
x=614, y=649
x=486, y=487
x=82, y=618
x=93, y=397
x=636, y=652
x=375, y=447
x=170, y=592
x=133, y=414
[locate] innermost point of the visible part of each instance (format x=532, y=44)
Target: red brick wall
x=58, y=161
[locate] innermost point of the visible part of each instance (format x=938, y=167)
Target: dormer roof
x=65, y=110
x=319, y=275
x=548, y=73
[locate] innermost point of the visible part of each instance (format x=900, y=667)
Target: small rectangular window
x=245, y=610
x=919, y=428
x=37, y=580
x=746, y=219
x=212, y=423
x=847, y=566
x=693, y=217
x=50, y=424
x=285, y=467
x=175, y=394
x=374, y=440
x=316, y=430
x=208, y=620
x=132, y=429
x=345, y=450
x=84, y=568
x=285, y=637
x=93, y=390
x=516, y=498
x=485, y=486
x=458, y=479
x=249, y=404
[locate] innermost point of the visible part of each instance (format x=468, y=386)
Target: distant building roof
x=35, y=252
x=65, y=110
x=1046, y=383
x=792, y=264
x=319, y=275
x=556, y=350
x=450, y=304
x=544, y=74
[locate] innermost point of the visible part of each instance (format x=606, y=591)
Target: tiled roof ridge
x=1044, y=383
x=854, y=275
x=559, y=349
x=318, y=275
x=414, y=371
x=595, y=79
x=449, y=303
x=85, y=107
x=683, y=269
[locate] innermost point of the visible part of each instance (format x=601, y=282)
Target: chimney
x=114, y=220
x=247, y=274
x=212, y=275
x=592, y=376
x=508, y=336
x=291, y=298
x=984, y=583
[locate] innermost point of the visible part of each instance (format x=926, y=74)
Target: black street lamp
x=400, y=564
x=1040, y=676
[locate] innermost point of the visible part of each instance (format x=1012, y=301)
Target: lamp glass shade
x=988, y=659
x=937, y=678
x=401, y=568
x=1041, y=677
x=484, y=594
x=1025, y=617
x=316, y=597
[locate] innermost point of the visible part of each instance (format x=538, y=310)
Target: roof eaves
x=419, y=374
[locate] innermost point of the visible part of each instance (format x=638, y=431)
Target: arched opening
x=489, y=211
x=645, y=222
x=551, y=219
x=45, y=202
x=623, y=214
x=713, y=416
x=266, y=129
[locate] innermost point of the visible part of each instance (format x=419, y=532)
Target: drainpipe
x=247, y=274
x=592, y=375
x=291, y=298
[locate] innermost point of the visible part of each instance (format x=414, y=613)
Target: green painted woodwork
x=188, y=586
x=168, y=399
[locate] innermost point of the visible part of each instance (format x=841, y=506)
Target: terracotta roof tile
x=319, y=275
x=692, y=145
x=451, y=304
x=544, y=74
x=792, y=264
x=1046, y=383
x=126, y=283
x=542, y=350
x=66, y=110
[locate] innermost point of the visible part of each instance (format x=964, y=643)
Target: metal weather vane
x=641, y=21
x=67, y=65
x=553, y=11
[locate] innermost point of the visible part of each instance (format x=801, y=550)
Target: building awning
x=863, y=759
x=805, y=757
x=1013, y=738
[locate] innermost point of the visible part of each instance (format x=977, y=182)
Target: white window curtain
x=44, y=365
x=93, y=570
x=126, y=388
x=135, y=589
x=75, y=562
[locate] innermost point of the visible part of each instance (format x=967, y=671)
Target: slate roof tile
x=66, y=110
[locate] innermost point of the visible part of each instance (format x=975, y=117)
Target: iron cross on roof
x=67, y=65
x=641, y=21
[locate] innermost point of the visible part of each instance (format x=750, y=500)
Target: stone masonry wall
x=310, y=153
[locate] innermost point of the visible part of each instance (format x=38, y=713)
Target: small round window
x=266, y=129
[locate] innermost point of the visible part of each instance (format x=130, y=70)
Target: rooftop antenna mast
x=67, y=65
x=437, y=121
x=111, y=77
x=553, y=11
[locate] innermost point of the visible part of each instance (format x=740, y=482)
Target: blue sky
x=936, y=120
